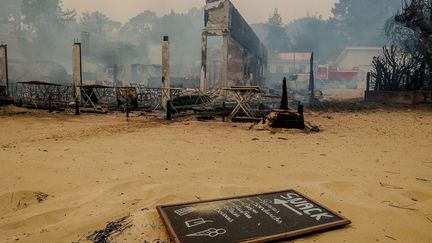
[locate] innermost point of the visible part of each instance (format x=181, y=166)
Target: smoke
x=41, y=33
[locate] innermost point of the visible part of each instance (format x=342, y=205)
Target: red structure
x=328, y=73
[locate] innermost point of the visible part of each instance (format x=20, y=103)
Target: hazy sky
x=252, y=10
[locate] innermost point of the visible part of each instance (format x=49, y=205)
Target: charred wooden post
x=165, y=72
x=300, y=110
x=4, y=75
x=169, y=110
x=378, y=77
x=368, y=79
x=223, y=111
x=7, y=71
x=284, y=101
x=284, y=117
x=77, y=70
x=77, y=110
x=49, y=104
x=127, y=109
x=311, y=77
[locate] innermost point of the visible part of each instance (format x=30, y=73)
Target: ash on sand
x=10, y=110
x=111, y=229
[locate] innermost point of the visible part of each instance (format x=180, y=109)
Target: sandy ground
x=62, y=177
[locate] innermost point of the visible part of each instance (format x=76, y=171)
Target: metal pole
x=80, y=60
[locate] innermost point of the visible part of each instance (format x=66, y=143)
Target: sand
x=62, y=177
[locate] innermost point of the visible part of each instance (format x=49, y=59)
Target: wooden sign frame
x=343, y=221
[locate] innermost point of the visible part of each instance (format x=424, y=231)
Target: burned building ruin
x=231, y=52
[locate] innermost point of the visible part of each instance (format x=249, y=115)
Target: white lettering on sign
x=195, y=222
x=223, y=214
x=184, y=211
x=212, y=232
x=268, y=203
x=232, y=211
x=301, y=206
x=267, y=211
x=248, y=207
x=285, y=204
x=242, y=211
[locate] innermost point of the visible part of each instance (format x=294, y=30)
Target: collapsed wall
x=243, y=57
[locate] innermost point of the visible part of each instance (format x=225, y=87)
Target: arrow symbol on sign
x=285, y=204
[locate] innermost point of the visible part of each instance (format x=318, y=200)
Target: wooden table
x=243, y=95
x=93, y=95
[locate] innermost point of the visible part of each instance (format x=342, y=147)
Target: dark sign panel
x=255, y=218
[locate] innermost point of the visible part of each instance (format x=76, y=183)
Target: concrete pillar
x=77, y=70
x=165, y=72
x=203, y=79
x=4, y=77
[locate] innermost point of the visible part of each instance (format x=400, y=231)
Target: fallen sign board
x=253, y=218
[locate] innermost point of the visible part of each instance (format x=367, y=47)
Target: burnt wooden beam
x=284, y=101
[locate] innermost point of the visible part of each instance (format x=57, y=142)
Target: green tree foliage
x=142, y=24
x=45, y=13
x=407, y=64
x=10, y=15
x=183, y=29
x=414, y=25
x=138, y=40
x=98, y=23
x=353, y=23
x=312, y=33
x=363, y=21
x=260, y=30
x=108, y=45
x=47, y=28
x=38, y=12
x=109, y=53
x=277, y=39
